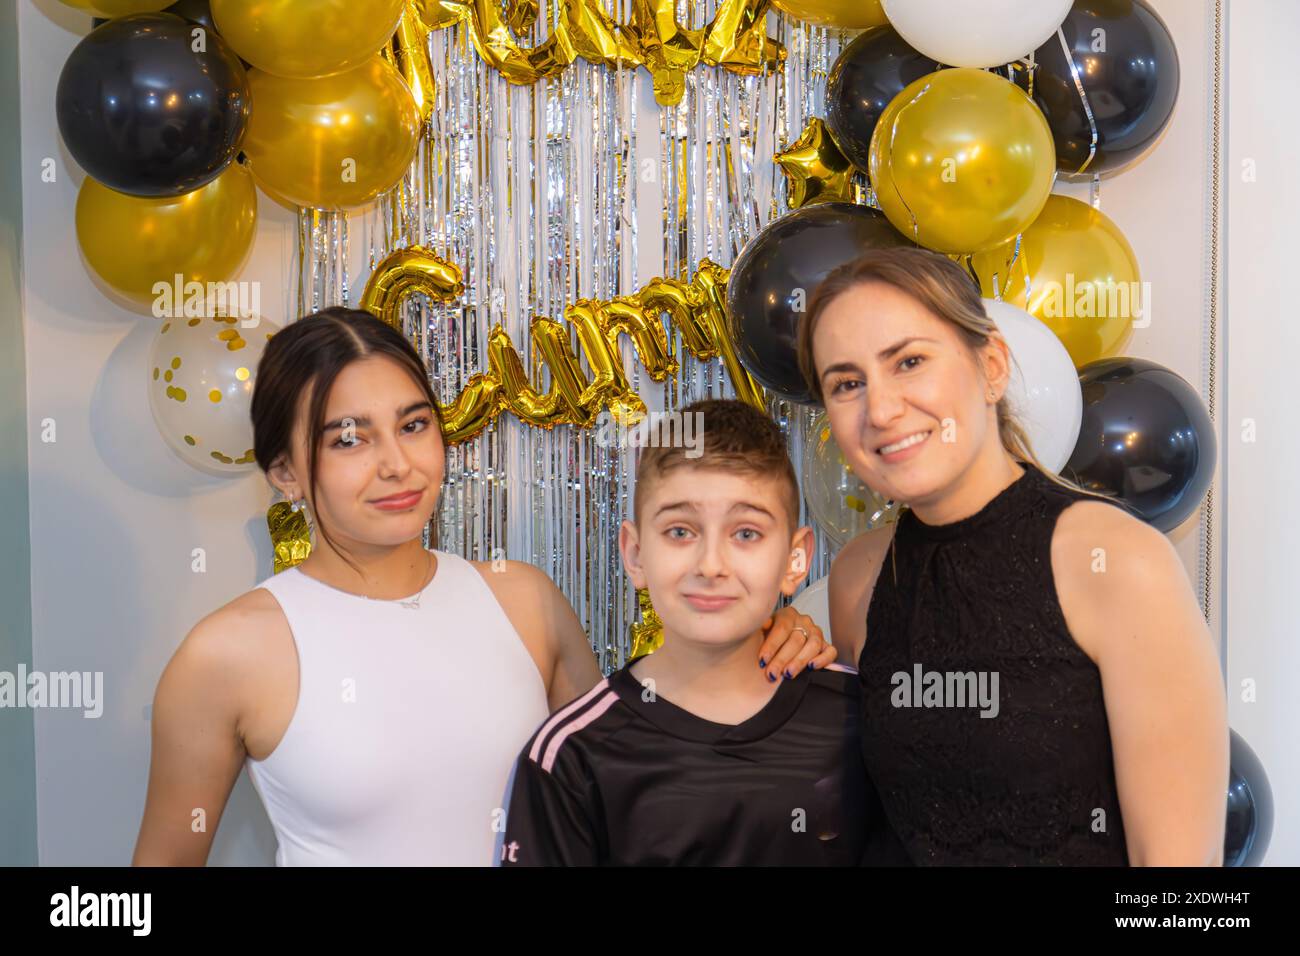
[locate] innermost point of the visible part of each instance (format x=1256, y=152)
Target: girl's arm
x=197, y=752
x=1129, y=605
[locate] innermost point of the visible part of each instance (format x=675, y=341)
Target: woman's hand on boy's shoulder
x=793, y=642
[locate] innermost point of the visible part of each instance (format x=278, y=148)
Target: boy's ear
x=801, y=545
x=629, y=546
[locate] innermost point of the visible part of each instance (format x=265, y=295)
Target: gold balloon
x=133, y=242
x=962, y=160
x=304, y=38
x=1077, y=273
x=118, y=8
x=845, y=14
x=814, y=168
x=698, y=309
x=335, y=141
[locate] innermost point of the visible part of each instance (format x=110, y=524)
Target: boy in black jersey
x=690, y=755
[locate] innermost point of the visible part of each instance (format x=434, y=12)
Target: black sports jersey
x=620, y=777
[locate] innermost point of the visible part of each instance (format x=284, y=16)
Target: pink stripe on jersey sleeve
x=842, y=668
x=553, y=749
x=560, y=715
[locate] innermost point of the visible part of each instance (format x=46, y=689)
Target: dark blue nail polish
x=762, y=662
x=788, y=675
x=812, y=665
x=771, y=679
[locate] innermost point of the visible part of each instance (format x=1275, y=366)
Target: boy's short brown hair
x=736, y=438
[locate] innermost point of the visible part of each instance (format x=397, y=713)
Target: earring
x=298, y=505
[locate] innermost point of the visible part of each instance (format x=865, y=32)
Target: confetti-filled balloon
x=201, y=376
x=840, y=503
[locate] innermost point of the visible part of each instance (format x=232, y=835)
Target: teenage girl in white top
x=378, y=692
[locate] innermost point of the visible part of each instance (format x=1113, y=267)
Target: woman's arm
x=197, y=753
x=1129, y=605
x=849, y=587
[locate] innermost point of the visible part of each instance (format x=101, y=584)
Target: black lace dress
x=971, y=626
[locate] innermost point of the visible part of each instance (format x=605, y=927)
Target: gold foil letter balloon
x=201, y=375
x=961, y=161
x=1077, y=273
x=302, y=38
x=135, y=243
x=335, y=141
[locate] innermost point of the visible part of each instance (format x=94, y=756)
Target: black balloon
x=1131, y=83
x=870, y=72
x=1250, y=807
x=144, y=114
x=1146, y=439
x=774, y=278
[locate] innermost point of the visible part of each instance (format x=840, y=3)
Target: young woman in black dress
x=1039, y=685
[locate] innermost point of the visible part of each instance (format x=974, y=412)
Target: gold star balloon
x=814, y=168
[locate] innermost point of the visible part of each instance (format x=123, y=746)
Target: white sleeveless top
x=407, y=725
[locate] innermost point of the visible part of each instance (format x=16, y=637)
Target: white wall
x=115, y=516
x=1263, y=343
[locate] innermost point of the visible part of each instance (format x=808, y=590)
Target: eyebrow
x=884, y=354
x=690, y=506
x=363, y=421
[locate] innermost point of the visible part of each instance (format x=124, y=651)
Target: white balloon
x=201, y=375
x=1044, y=392
x=976, y=32
x=815, y=602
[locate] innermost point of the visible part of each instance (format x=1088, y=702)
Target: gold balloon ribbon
x=735, y=40
x=814, y=168
x=697, y=308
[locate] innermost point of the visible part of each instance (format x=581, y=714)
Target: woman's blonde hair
x=943, y=287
